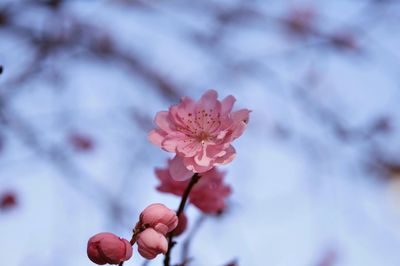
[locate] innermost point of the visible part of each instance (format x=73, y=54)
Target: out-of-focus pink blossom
x=344, y=41
x=170, y=185
x=81, y=142
x=108, y=248
x=233, y=263
x=329, y=258
x=199, y=132
x=159, y=217
x=151, y=243
x=301, y=20
x=208, y=194
x=182, y=224
x=8, y=200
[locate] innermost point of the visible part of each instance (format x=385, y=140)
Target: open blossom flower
x=199, y=132
x=151, y=243
x=108, y=248
x=159, y=217
x=208, y=194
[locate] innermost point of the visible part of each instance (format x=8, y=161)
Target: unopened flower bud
x=151, y=243
x=159, y=217
x=108, y=248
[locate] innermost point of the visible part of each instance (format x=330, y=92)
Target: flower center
x=203, y=137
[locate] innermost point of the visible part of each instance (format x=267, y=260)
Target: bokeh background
x=316, y=181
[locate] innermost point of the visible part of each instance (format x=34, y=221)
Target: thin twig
x=185, y=196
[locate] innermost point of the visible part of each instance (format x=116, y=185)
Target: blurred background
x=316, y=180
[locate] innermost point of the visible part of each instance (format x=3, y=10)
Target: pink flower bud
x=182, y=224
x=8, y=200
x=108, y=248
x=159, y=217
x=151, y=243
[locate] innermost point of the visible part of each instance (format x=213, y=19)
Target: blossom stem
x=132, y=242
x=180, y=210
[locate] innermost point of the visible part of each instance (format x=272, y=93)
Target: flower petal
x=207, y=101
x=227, y=104
x=194, y=167
x=178, y=170
x=188, y=147
x=182, y=112
x=241, y=115
x=156, y=136
x=172, y=140
x=202, y=159
x=227, y=157
x=162, y=120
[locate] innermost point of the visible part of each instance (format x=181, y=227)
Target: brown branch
x=180, y=210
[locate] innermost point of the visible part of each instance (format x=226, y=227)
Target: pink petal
x=241, y=115
x=178, y=170
x=160, y=217
x=214, y=151
x=180, y=143
x=162, y=120
x=202, y=159
x=151, y=243
x=188, y=147
x=227, y=104
x=112, y=249
x=161, y=228
x=228, y=157
x=167, y=184
x=208, y=102
x=194, y=167
x=128, y=249
x=156, y=136
x=180, y=113
x=172, y=140
x=238, y=130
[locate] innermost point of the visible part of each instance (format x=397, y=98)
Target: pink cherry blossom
x=151, y=243
x=159, y=217
x=208, y=194
x=199, y=132
x=168, y=184
x=108, y=248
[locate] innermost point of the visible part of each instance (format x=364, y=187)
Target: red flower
x=208, y=194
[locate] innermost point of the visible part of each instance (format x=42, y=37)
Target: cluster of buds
x=155, y=222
